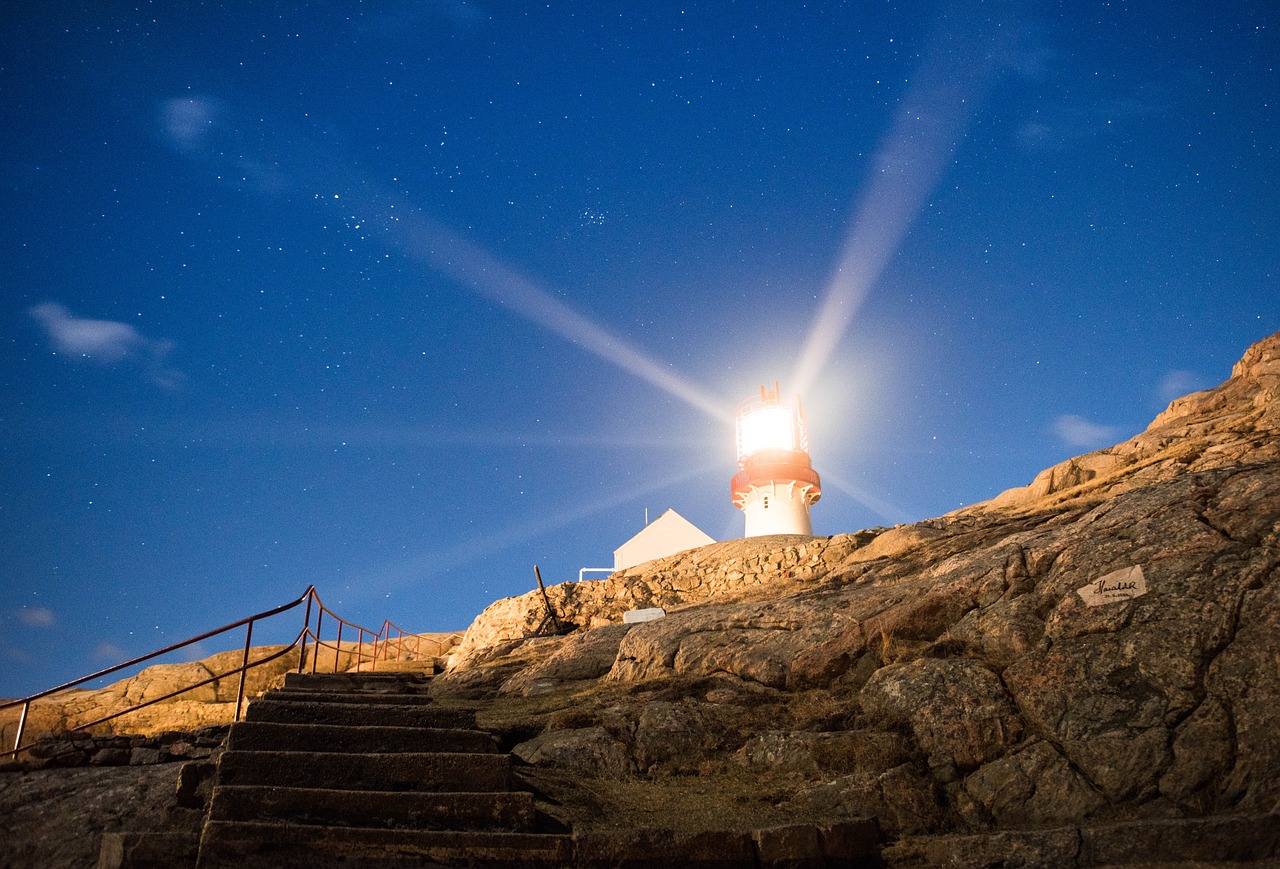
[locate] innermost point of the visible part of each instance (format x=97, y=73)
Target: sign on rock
x=1124, y=584
x=632, y=617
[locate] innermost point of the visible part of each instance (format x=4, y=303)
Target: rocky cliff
x=1102, y=645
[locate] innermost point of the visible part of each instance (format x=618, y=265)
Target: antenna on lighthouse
x=776, y=484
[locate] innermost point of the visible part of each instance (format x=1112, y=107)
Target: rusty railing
x=379, y=648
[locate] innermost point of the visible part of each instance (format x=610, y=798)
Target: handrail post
x=337, y=646
x=244, y=667
x=315, y=659
x=22, y=724
x=306, y=626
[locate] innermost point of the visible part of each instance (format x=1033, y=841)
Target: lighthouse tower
x=776, y=484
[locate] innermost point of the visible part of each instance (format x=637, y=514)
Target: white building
x=668, y=534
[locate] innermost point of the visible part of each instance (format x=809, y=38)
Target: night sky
x=400, y=299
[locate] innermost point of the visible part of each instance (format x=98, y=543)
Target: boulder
x=589, y=750
x=957, y=710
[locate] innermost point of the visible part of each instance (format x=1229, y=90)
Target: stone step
x=399, y=771
x=852, y=843
x=373, y=682
x=287, y=711
x=511, y=812
x=368, y=698
x=148, y=850
x=273, y=736
x=430, y=666
x=250, y=845
x=1165, y=842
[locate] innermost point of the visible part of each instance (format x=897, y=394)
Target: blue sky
x=400, y=299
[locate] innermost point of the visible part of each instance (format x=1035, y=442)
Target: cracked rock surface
x=56, y=817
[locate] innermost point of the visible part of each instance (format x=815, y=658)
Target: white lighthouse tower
x=776, y=484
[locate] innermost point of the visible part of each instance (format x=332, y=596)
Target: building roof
x=668, y=534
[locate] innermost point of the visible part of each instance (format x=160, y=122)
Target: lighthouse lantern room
x=776, y=484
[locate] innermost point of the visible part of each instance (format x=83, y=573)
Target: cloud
x=1176, y=384
x=18, y=656
x=1076, y=431
x=106, y=342
x=36, y=617
x=205, y=129
x=195, y=652
x=1037, y=134
x=188, y=121
x=1056, y=127
x=1075, y=104
x=109, y=652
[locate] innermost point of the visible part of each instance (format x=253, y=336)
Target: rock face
x=1100, y=646
x=56, y=817
x=736, y=569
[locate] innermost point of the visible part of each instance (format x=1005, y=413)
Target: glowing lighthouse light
x=776, y=483
x=771, y=427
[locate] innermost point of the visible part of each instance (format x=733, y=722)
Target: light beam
x=959, y=62
x=428, y=564
x=204, y=128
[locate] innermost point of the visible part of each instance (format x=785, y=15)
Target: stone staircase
x=361, y=769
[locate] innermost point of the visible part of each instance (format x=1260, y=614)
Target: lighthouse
x=776, y=484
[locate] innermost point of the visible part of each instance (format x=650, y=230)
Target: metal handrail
x=166, y=650
x=309, y=597
x=321, y=610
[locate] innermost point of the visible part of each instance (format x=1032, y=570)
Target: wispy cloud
x=17, y=655
x=204, y=128
x=36, y=617
x=1076, y=431
x=109, y=652
x=105, y=342
x=195, y=652
x=1059, y=126
x=188, y=120
x=1176, y=384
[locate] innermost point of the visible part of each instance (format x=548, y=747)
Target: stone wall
x=85, y=749
x=745, y=569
